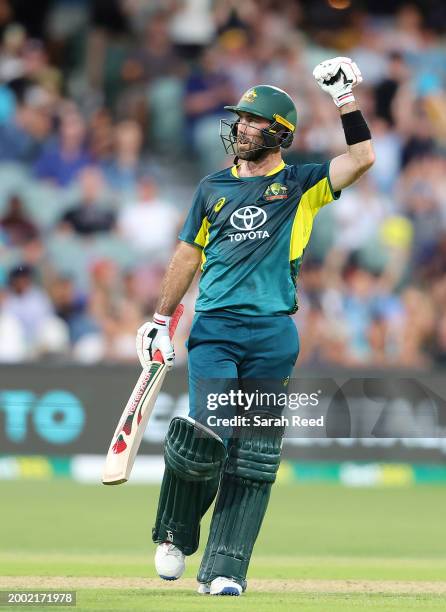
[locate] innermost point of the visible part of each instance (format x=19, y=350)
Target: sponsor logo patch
x=219, y=204
x=248, y=218
x=247, y=221
x=276, y=191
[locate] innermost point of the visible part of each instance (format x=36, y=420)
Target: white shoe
x=225, y=586
x=204, y=588
x=169, y=561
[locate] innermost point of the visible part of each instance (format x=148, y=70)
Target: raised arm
x=345, y=169
x=338, y=77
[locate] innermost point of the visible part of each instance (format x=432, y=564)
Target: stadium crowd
x=109, y=116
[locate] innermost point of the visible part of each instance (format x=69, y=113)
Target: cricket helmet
x=270, y=103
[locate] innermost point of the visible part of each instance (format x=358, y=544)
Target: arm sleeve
x=316, y=185
x=196, y=225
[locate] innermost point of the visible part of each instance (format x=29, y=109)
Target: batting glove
x=337, y=77
x=153, y=336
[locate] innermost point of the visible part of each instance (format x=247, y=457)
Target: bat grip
x=172, y=327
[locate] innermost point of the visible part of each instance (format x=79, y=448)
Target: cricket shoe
x=169, y=561
x=220, y=586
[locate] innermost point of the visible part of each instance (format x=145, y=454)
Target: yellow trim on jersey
x=310, y=204
x=277, y=169
x=202, y=239
x=203, y=252
x=203, y=232
x=281, y=166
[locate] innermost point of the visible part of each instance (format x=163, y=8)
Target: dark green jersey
x=253, y=233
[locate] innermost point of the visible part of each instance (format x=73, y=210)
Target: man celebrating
x=248, y=227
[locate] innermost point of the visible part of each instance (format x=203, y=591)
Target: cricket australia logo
x=248, y=220
x=276, y=191
x=250, y=95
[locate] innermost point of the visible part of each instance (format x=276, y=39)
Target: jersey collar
x=281, y=166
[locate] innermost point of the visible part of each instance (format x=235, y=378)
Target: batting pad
x=194, y=458
x=249, y=473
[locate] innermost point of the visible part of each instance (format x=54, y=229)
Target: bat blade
x=133, y=422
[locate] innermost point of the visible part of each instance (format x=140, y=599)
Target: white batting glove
x=337, y=77
x=152, y=336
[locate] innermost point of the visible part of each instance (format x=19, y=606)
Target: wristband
x=355, y=127
x=346, y=98
x=161, y=320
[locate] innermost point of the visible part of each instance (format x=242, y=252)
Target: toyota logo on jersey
x=248, y=218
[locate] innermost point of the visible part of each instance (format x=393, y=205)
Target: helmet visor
x=236, y=141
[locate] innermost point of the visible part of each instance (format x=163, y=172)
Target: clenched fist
x=337, y=77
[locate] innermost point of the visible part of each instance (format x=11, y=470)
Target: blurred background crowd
x=109, y=116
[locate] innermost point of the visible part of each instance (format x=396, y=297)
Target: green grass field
x=322, y=547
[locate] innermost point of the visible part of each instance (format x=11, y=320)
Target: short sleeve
x=316, y=185
x=196, y=225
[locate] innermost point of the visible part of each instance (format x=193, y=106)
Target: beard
x=253, y=154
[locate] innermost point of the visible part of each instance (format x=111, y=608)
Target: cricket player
x=247, y=228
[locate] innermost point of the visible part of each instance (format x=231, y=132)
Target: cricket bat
x=133, y=422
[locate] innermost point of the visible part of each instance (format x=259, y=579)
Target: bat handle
x=172, y=327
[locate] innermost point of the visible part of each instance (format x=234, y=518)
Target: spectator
x=357, y=217
x=37, y=75
x=420, y=140
x=27, y=302
x=21, y=136
x=105, y=291
x=52, y=340
x=359, y=309
x=156, y=57
x=150, y=223
x=108, y=21
x=387, y=143
x=238, y=58
x=91, y=215
x=423, y=210
x=63, y=159
x=150, y=67
x=72, y=307
x=417, y=330
x=122, y=171
x=18, y=227
x=101, y=132
x=192, y=27
x=120, y=328
x=12, y=335
x=12, y=65
x=207, y=91
x=386, y=90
